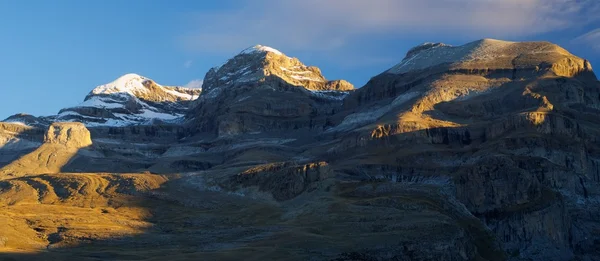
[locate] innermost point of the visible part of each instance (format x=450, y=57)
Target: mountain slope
x=510, y=128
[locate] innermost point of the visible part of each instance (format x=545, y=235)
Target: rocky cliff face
x=509, y=124
x=62, y=141
x=261, y=90
x=73, y=135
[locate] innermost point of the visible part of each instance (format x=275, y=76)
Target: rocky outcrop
x=61, y=143
x=282, y=180
x=72, y=134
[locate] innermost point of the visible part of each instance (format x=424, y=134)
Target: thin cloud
x=318, y=25
x=196, y=84
x=188, y=64
x=591, y=39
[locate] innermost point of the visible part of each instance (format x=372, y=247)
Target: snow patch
x=183, y=96
x=332, y=95
x=128, y=83
x=304, y=78
x=99, y=102
x=261, y=49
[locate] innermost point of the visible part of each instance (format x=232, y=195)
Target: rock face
x=259, y=63
x=131, y=100
x=71, y=134
x=284, y=180
x=486, y=151
x=61, y=142
x=16, y=140
x=261, y=90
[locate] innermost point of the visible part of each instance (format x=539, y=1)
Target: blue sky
x=52, y=53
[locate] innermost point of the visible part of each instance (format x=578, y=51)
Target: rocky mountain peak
x=131, y=99
x=491, y=54
x=134, y=85
x=257, y=63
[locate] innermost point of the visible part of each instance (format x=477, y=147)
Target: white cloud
x=188, y=64
x=591, y=38
x=197, y=83
x=319, y=25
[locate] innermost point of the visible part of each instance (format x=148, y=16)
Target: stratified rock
x=263, y=90
x=513, y=126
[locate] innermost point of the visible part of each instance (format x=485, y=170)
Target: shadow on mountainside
x=23, y=140
x=393, y=204
x=79, y=216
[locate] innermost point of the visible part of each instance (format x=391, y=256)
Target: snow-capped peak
x=255, y=65
x=261, y=49
x=129, y=83
x=131, y=99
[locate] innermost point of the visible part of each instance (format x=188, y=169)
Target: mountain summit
x=258, y=63
x=261, y=87
x=130, y=100
x=494, y=54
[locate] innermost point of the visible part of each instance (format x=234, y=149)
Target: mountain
x=512, y=126
x=485, y=151
x=129, y=100
x=261, y=89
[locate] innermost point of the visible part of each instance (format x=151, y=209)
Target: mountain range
x=484, y=151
